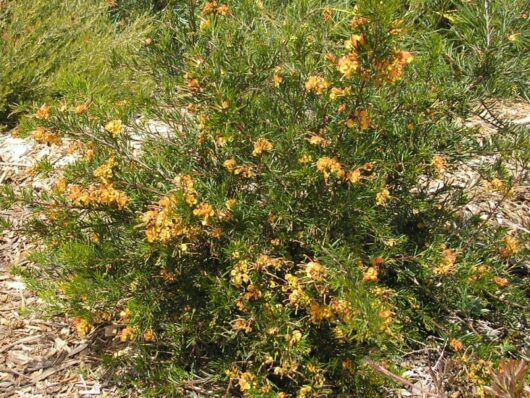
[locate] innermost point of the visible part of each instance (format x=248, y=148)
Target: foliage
x=274, y=225
x=52, y=50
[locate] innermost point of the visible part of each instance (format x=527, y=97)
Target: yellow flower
x=348, y=65
x=315, y=271
x=245, y=171
x=231, y=203
x=205, y=24
x=230, y=164
x=439, y=163
x=90, y=154
x=44, y=112
x=60, y=185
x=304, y=392
x=104, y=172
x=317, y=84
x=305, y=159
x=339, y=92
x=363, y=119
x=447, y=266
x=295, y=337
x=205, y=211
x=245, y=381
x=382, y=197
x=319, y=312
x=353, y=176
x=371, y=275
x=242, y=324
x=511, y=246
x=277, y=78
x=115, y=127
x=239, y=274
x=386, y=316
x=329, y=166
x=317, y=140
x=262, y=145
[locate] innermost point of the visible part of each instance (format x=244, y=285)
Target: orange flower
x=223, y=10
x=44, y=112
x=358, y=21
x=327, y=14
x=205, y=211
x=511, y=246
x=149, y=335
x=45, y=136
x=456, y=345
x=348, y=65
x=329, y=166
x=82, y=326
x=209, y=8
x=501, y=282
x=354, y=42
x=126, y=334
x=80, y=109
x=317, y=84
x=194, y=85
x=262, y=145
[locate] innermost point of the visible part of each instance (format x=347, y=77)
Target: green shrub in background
x=278, y=235
x=75, y=50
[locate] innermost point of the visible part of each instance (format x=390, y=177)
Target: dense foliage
x=273, y=224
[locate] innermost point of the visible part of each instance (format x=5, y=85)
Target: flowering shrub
x=279, y=234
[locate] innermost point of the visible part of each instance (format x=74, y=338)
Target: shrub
x=277, y=233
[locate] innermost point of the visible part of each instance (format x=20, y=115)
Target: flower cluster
x=163, y=223
x=214, y=7
x=44, y=136
x=99, y=194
